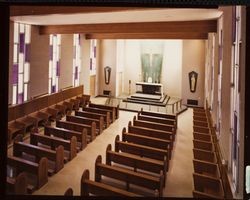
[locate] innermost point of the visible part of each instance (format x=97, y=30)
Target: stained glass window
x=54, y=62
x=21, y=63
x=93, y=44
x=76, y=59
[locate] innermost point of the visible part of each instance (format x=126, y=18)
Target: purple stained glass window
x=76, y=73
x=90, y=63
x=20, y=98
x=15, y=74
x=53, y=89
x=27, y=53
x=57, y=68
x=94, y=51
x=79, y=41
x=21, y=44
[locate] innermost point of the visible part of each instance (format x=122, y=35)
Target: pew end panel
x=98, y=176
x=84, y=186
x=17, y=185
x=108, y=159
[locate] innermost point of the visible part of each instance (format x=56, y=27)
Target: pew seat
x=128, y=176
x=17, y=185
x=207, y=187
x=89, y=187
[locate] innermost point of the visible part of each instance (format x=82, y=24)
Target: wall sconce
x=192, y=80
x=107, y=72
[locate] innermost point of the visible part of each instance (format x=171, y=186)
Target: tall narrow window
x=54, y=62
x=21, y=63
x=93, y=57
x=76, y=59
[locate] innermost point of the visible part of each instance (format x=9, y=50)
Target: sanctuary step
x=148, y=99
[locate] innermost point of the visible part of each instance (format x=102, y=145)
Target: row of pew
x=56, y=146
x=44, y=116
x=207, y=175
x=140, y=159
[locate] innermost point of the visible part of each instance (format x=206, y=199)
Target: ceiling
x=143, y=15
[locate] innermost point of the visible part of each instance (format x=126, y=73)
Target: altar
x=149, y=88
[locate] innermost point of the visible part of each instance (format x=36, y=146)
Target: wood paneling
x=46, y=10
x=143, y=27
x=177, y=35
x=92, y=85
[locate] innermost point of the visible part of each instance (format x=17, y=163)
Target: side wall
x=66, y=61
x=193, y=60
x=39, y=63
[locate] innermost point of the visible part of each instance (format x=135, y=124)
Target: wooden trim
x=204, y=26
x=47, y=10
x=166, y=35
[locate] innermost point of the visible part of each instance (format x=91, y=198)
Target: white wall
x=108, y=58
x=171, y=65
x=66, y=61
x=193, y=60
x=85, y=51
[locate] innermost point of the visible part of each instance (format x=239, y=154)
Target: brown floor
x=179, y=181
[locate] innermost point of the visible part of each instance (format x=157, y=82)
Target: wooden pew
x=100, y=189
x=199, y=118
x=154, y=125
x=152, y=133
x=69, y=106
x=203, y=145
x=200, y=129
x=54, y=142
x=203, y=155
x=106, y=114
x=199, y=109
x=76, y=103
x=156, y=119
x=200, y=114
x=91, y=129
x=17, y=185
x=143, y=151
x=52, y=112
x=15, y=128
x=28, y=122
x=202, y=137
x=39, y=169
x=57, y=156
x=110, y=109
x=129, y=176
x=67, y=134
x=136, y=162
x=114, y=111
x=147, y=141
x=207, y=187
x=92, y=115
x=61, y=109
x=200, y=123
x=41, y=117
x=68, y=192
x=160, y=115
x=88, y=121
x=206, y=168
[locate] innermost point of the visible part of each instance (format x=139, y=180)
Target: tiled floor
x=179, y=181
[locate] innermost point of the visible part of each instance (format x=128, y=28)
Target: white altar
x=149, y=88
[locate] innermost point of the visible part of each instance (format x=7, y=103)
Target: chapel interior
x=127, y=101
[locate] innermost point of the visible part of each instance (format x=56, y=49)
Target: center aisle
x=180, y=175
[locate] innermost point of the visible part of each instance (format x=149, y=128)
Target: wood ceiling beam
x=47, y=10
x=142, y=27
x=179, y=35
